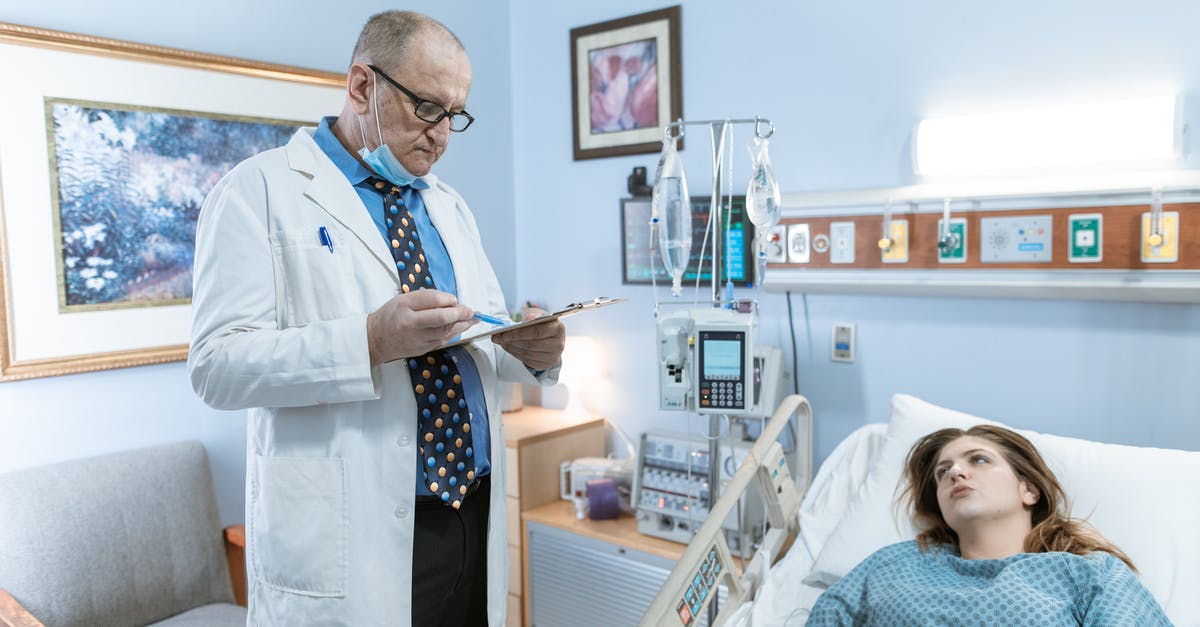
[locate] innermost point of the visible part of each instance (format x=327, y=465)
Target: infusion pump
x=670, y=489
x=709, y=364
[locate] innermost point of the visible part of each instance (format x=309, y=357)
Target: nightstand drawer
x=512, y=480
x=514, y=569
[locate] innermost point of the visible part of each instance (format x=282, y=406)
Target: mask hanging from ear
x=382, y=160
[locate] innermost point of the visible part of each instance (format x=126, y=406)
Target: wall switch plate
x=898, y=251
x=841, y=242
x=842, y=343
x=774, y=249
x=1168, y=250
x=1085, y=243
x=957, y=254
x=799, y=249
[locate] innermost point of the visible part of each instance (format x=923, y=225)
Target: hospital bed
x=1146, y=500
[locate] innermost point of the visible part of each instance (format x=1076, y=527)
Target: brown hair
x=1053, y=529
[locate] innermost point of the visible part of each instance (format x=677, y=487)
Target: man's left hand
x=539, y=346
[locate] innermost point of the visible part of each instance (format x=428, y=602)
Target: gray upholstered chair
x=128, y=538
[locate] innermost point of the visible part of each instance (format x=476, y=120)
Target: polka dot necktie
x=444, y=423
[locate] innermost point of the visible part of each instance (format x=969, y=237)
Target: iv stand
x=715, y=209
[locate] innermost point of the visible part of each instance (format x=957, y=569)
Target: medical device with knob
x=885, y=241
x=948, y=239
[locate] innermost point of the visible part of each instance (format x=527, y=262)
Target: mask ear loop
x=375, y=99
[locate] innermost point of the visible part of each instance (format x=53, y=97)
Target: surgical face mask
x=382, y=160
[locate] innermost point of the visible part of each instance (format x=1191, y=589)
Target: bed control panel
x=671, y=489
x=702, y=586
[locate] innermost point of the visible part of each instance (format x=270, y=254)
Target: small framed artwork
x=107, y=151
x=626, y=83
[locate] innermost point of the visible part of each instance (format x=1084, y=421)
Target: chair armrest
x=235, y=552
x=12, y=614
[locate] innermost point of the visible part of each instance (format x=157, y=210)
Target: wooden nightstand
x=537, y=441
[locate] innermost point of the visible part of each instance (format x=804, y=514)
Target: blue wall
x=845, y=83
x=47, y=420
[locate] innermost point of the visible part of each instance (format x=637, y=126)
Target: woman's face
x=976, y=484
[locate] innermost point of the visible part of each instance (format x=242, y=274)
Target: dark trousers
x=449, y=586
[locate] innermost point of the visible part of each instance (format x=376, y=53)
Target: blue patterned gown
x=900, y=585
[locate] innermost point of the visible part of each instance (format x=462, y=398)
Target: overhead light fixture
x=1140, y=132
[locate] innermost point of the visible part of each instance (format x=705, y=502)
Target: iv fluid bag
x=762, y=195
x=671, y=207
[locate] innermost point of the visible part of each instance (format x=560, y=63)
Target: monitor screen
x=722, y=360
x=636, y=264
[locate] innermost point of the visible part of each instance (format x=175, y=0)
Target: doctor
x=328, y=271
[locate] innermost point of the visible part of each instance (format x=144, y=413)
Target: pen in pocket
x=325, y=239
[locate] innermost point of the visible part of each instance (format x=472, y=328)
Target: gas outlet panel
x=1016, y=239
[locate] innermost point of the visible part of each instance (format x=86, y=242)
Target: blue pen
x=325, y=239
x=489, y=319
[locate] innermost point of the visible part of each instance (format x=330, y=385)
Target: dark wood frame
x=673, y=81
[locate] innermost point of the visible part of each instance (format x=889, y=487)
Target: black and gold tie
x=444, y=426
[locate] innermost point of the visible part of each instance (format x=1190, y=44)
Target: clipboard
x=569, y=310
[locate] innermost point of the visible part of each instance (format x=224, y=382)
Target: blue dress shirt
x=440, y=268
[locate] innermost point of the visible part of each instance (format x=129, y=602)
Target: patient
x=995, y=547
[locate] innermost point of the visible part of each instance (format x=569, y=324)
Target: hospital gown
x=901, y=585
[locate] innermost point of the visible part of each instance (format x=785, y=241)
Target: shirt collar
x=351, y=168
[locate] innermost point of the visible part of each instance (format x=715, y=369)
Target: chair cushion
x=123, y=539
x=212, y=615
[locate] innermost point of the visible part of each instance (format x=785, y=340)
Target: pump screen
x=722, y=360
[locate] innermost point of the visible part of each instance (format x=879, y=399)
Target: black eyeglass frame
x=418, y=101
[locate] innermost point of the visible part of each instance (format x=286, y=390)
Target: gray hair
x=388, y=36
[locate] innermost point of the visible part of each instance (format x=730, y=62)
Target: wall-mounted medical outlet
x=896, y=250
x=1085, y=243
x=1160, y=245
x=841, y=242
x=955, y=249
x=842, y=342
x=775, y=250
x=1016, y=239
x=799, y=248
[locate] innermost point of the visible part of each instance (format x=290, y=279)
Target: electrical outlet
x=1165, y=248
x=841, y=242
x=799, y=248
x=842, y=342
x=774, y=250
x=897, y=252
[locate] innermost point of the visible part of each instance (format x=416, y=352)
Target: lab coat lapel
x=329, y=188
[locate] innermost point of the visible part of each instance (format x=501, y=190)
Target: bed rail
x=707, y=562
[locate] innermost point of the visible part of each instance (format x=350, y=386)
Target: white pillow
x=1145, y=500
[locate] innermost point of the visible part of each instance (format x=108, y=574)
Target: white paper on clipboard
x=569, y=310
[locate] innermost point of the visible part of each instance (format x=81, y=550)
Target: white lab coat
x=279, y=327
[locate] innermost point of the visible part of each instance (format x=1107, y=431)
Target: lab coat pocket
x=313, y=276
x=300, y=525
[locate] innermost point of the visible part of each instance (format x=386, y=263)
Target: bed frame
x=707, y=562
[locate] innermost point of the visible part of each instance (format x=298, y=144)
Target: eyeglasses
x=428, y=110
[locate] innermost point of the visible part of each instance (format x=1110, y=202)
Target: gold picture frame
x=37, y=337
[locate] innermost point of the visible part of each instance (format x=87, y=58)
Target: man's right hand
x=415, y=323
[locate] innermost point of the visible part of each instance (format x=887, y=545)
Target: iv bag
x=762, y=195
x=671, y=208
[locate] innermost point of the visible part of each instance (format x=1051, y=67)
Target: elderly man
x=328, y=274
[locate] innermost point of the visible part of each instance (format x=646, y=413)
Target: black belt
x=429, y=501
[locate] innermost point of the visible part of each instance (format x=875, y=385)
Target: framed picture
x=107, y=150
x=626, y=83
x=737, y=265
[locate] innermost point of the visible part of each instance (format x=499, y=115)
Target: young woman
x=995, y=547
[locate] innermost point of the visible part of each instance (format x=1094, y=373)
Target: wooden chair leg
x=235, y=552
